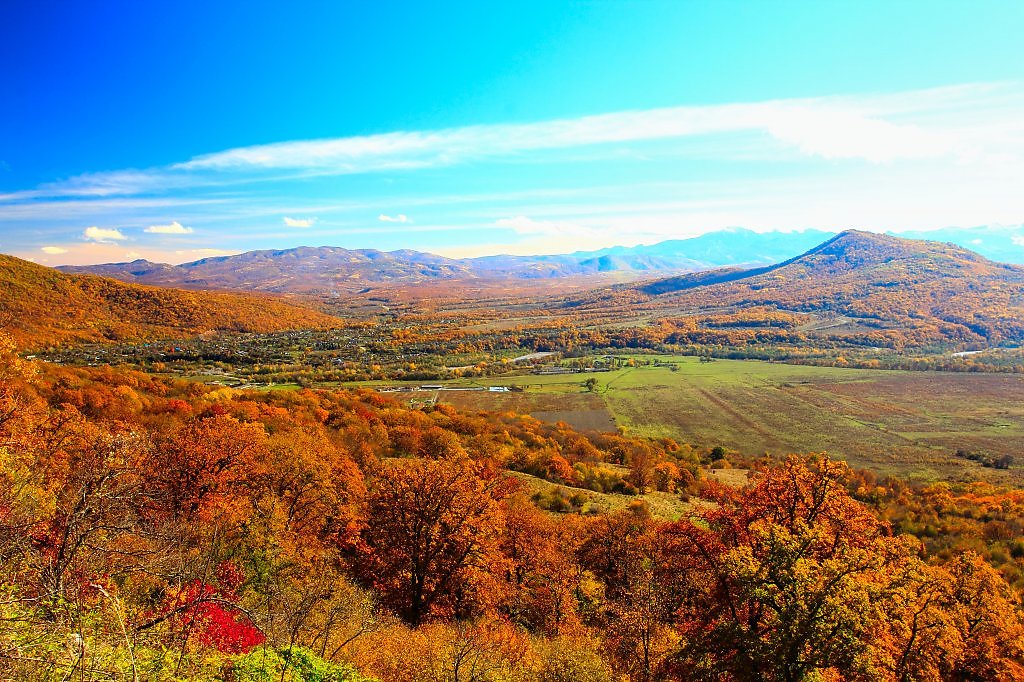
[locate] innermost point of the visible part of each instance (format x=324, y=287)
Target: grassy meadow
x=911, y=423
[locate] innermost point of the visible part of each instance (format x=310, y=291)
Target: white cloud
x=132, y=255
x=53, y=250
x=174, y=228
x=975, y=122
x=101, y=234
x=833, y=133
x=1017, y=239
x=400, y=218
x=299, y=222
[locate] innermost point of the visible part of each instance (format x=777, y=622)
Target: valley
x=588, y=341
x=885, y=374
x=921, y=380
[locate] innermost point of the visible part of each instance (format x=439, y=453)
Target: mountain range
x=884, y=289
x=329, y=270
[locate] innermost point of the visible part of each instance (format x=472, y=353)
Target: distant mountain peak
x=852, y=254
x=859, y=247
x=884, y=291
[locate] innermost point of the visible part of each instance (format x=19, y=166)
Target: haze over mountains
x=329, y=269
x=883, y=289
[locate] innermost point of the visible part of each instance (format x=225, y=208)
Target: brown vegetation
x=43, y=307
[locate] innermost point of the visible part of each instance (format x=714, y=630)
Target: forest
x=161, y=529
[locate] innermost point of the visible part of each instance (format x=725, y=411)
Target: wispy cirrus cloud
x=821, y=127
x=399, y=218
x=524, y=225
x=204, y=253
x=299, y=222
x=960, y=122
x=826, y=127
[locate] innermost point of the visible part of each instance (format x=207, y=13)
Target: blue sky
x=172, y=131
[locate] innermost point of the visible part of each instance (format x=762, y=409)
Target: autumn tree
x=308, y=489
x=201, y=466
x=624, y=551
x=955, y=622
x=432, y=528
x=785, y=577
x=987, y=616
x=541, y=575
x=95, y=511
x=20, y=408
x=22, y=495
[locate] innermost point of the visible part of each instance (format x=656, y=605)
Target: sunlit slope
x=41, y=306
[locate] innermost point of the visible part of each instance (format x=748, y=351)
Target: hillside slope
x=39, y=305
x=929, y=290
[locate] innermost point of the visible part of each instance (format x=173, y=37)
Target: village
x=363, y=353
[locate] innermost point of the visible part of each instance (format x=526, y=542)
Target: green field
x=665, y=506
x=909, y=423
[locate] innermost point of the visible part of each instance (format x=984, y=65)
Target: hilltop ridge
x=333, y=270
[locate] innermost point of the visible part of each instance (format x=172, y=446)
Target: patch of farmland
x=582, y=420
x=906, y=423
x=526, y=402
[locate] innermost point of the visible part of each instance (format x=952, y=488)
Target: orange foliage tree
x=432, y=530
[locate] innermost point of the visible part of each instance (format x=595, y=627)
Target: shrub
x=296, y=664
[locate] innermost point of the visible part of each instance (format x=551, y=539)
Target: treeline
x=152, y=529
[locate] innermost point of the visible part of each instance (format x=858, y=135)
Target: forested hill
x=42, y=306
x=928, y=289
x=853, y=255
